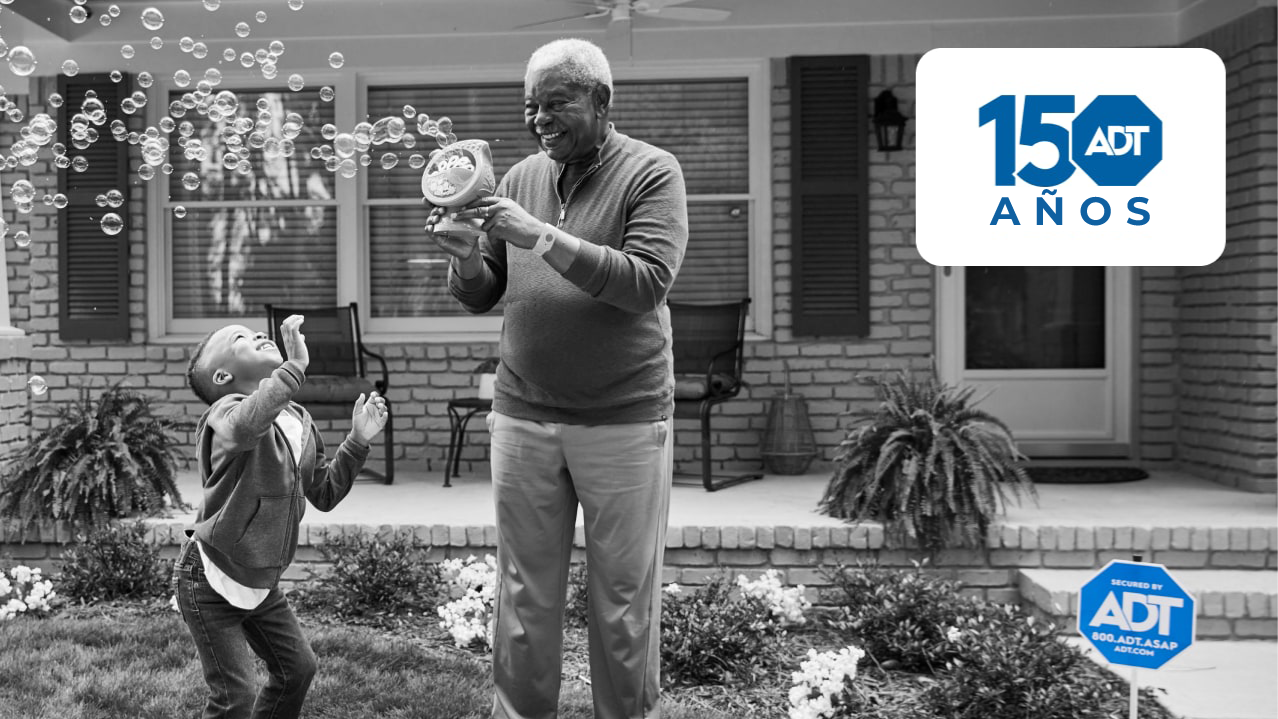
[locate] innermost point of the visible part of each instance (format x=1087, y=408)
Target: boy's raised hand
x=369, y=417
x=294, y=340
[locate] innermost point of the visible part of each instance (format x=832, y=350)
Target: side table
x=460, y=412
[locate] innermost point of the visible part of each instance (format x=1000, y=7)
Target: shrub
x=372, y=575
x=710, y=637
x=114, y=561
x=902, y=618
x=927, y=464
x=577, y=611
x=823, y=685
x=24, y=591
x=97, y=461
x=1011, y=666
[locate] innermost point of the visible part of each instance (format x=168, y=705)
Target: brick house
x=1179, y=363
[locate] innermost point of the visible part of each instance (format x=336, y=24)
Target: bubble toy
x=457, y=175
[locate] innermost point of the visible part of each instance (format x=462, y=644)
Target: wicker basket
x=788, y=443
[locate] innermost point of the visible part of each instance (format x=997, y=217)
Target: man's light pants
x=621, y=476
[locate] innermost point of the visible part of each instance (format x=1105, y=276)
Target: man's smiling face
x=244, y=354
x=566, y=119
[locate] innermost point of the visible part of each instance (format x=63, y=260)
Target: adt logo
x=1136, y=614
x=1117, y=140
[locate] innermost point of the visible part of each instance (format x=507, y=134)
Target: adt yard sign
x=1135, y=614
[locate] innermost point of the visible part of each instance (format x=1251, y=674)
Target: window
x=254, y=230
x=703, y=122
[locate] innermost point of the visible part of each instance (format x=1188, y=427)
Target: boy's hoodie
x=254, y=487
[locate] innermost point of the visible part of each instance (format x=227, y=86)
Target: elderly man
x=584, y=240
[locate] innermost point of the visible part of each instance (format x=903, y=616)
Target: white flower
x=173, y=603
x=473, y=585
x=821, y=684
x=953, y=634
x=787, y=605
x=672, y=588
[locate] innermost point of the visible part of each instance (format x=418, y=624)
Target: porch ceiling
x=353, y=20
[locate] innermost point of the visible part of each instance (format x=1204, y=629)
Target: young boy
x=259, y=457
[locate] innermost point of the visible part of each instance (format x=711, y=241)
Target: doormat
x=1085, y=475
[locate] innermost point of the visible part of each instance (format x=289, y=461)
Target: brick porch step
x=1232, y=603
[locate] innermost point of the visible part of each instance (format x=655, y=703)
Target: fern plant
x=97, y=461
x=927, y=464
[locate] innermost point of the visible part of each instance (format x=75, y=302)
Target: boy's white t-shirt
x=232, y=591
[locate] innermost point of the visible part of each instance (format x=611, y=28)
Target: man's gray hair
x=581, y=61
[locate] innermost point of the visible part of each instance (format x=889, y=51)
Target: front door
x=1049, y=349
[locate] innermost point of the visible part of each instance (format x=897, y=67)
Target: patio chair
x=709, y=359
x=337, y=372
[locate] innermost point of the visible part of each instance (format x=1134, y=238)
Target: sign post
x=1136, y=615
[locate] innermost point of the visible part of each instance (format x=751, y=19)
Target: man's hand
x=505, y=220
x=369, y=418
x=463, y=248
x=294, y=340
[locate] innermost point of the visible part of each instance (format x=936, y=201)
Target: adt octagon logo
x=1117, y=140
x=1136, y=614
x=1070, y=156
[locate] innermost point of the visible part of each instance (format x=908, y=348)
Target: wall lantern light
x=889, y=123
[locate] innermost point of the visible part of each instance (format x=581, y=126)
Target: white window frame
x=350, y=107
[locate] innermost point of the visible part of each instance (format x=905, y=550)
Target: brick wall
x=696, y=554
x=14, y=425
x=1226, y=311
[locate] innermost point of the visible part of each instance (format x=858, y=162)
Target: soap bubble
x=79, y=163
x=246, y=59
x=336, y=60
x=37, y=385
x=116, y=76
x=191, y=181
x=213, y=76
x=276, y=48
x=114, y=11
x=157, y=42
x=182, y=78
x=296, y=82
x=60, y=200
x=101, y=199
x=212, y=5
x=261, y=16
x=269, y=70
x=104, y=20
x=347, y=168
x=22, y=191
x=242, y=29
x=365, y=160
x=22, y=238
x=179, y=212
x=326, y=94
x=114, y=198
x=228, y=55
x=416, y=161
x=389, y=160
x=145, y=79
x=112, y=224
x=410, y=112
x=21, y=61
x=328, y=131
x=344, y=144
x=127, y=52
x=146, y=172
x=295, y=4
x=200, y=50
x=186, y=44
x=79, y=14
x=152, y=19
x=55, y=100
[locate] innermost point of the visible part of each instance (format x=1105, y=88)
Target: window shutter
x=830, y=221
x=93, y=267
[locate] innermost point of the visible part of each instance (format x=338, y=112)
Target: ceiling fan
x=625, y=10
x=620, y=13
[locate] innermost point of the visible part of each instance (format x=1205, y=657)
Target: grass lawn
x=136, y=661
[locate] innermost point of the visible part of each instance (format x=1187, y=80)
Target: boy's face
x=236, y=355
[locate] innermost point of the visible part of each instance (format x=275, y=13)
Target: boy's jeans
x=223, y=637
